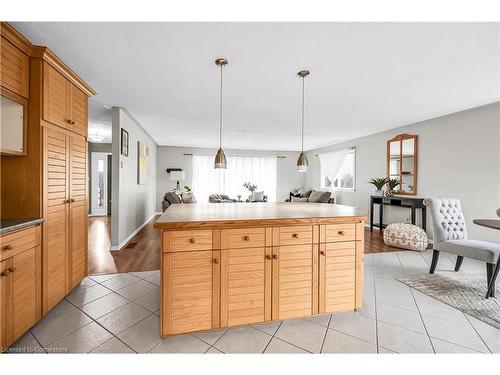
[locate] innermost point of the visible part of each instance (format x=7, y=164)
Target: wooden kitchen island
x=225, y=265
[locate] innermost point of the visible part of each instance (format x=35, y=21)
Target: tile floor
x=119, y=313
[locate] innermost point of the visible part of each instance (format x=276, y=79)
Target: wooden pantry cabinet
x=20, y=281
x=214, y=278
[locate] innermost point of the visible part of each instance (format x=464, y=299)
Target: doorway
x=100, y=184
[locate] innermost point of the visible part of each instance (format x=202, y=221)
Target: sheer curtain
x=260, y=171
x=331, y=162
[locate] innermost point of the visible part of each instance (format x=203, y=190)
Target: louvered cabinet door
x=245, y=286
x=293, y=281
x=78, y=110
x=78, y=209
x=337, y=276
x=14, y=68
x=190, y=291
x=55, y=97
x=56, y=226
x=5, y=304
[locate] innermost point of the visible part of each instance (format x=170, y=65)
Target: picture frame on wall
x=124, y=142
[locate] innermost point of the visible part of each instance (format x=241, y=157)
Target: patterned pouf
x=406, y=236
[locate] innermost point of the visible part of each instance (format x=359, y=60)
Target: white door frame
x=95, y=210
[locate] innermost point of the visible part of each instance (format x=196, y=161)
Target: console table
x=411, y=203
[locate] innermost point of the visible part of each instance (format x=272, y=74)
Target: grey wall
x=459, y=156
x=173, y=157
x=95, y=147
x=133, y=204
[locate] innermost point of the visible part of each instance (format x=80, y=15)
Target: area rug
x=463, y=292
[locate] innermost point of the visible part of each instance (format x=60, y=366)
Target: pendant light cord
x=220, y=110
x=303, y=110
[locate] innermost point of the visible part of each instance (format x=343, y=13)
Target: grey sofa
x=450, y=236
x=220, y=198
x=312, y=196
x=170, y=198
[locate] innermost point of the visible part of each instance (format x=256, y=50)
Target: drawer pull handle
x=8, y=247
x=322, y=252
x=11, y=269
x=68, y=121
x=5, y=273
x=341, y=232
x=246, y=238
x=191, y=240
x=269, y=257
x=216, y=260
x=275, y=256
x=71, y=200
x=295, y=235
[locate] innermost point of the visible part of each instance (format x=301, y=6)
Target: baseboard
x=124, y=242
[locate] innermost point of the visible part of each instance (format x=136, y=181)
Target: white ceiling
x=365, y=77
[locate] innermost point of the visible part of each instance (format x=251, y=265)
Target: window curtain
x=260, y=171
x=331, y=162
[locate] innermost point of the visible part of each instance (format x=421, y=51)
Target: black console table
x=412, y=203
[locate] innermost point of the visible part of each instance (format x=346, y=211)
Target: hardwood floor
x=142, y=253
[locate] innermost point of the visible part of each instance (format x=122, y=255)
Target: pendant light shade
x=220, y=161
x=302, y=162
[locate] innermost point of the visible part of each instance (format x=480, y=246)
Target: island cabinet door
x=190, y=291
x=337, y=276
x=294, y=285
x=245, y=286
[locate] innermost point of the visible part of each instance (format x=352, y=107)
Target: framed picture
x=142, y=163
x=124, y=142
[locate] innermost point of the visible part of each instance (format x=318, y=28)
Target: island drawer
x=187, y=240
x=338, y=232
x=19, y=241
x=293, y=235
x=242, y=238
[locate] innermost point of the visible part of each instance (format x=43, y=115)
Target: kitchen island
x=225, y=265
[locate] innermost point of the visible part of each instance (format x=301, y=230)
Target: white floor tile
x=104, y=305
x=113, y=346
x=243, y=340
x=277, y=346
x=443, y=347
x=402, y=340
x=120, y=281
x=137, y=290
x=302, y=333
x=181, y=344
x=432, y=307
x=150, y=301
x=155, y=279
x=212, y=350
x=102, y=278
x=322, y=320
x=338, y=342
x=82, y=296
x=269, y=328
x=123, y=318
x=143, y=336
x=26, y=344
x=144, y=274
x=356, y=325
x=210, y=337
x=400, y=317
x=83, y=340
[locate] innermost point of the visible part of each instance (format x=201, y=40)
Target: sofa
x=173, y=197
x=220, y=198
x=312, y=196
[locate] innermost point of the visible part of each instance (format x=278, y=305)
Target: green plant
x=378, y=182
x=251, y=188
x=187, y=188
x=392, y=183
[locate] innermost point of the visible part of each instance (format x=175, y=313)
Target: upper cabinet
x=402, y=158
x=64, y=104
x=15, y=69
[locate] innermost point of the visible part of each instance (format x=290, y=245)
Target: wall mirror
x=402, y=155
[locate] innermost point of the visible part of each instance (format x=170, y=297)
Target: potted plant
x=392, y=184
x=251, y=188
x=379, y=183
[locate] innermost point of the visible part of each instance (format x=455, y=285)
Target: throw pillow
x=188, y=198
x=258, y=196
x=298, y=199
x=172, y=198
x=319, y=196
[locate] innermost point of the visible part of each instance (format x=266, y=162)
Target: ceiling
x=365, y=77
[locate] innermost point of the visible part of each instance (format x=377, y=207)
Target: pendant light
x=220, y=161
x=302, y=162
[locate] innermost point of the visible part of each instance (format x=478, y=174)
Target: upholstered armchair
x=450, y=236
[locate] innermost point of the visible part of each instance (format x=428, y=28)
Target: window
x=338, y=169
x=260, y=171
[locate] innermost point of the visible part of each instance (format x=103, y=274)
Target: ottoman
x=406, y=236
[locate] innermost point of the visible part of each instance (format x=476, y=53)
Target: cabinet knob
x=340, y=232
x=246, y=238
x=71, y=200
x=275, y=256
x=295, y=235
x=191, y=240
x=216, y=260
x=322, y=252
x=72, y=122
x=269, y=257
x=8, y=247
x=11, y=269
x=68, y=121
x=67, y=201
x=5, y=273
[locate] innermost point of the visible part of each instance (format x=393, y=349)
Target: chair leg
x=490, y=267
x=434, y=262
x=460, y=259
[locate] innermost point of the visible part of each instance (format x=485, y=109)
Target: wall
x=173, y=157
x=459, y=156
x=133, y=204
x=95, y=147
